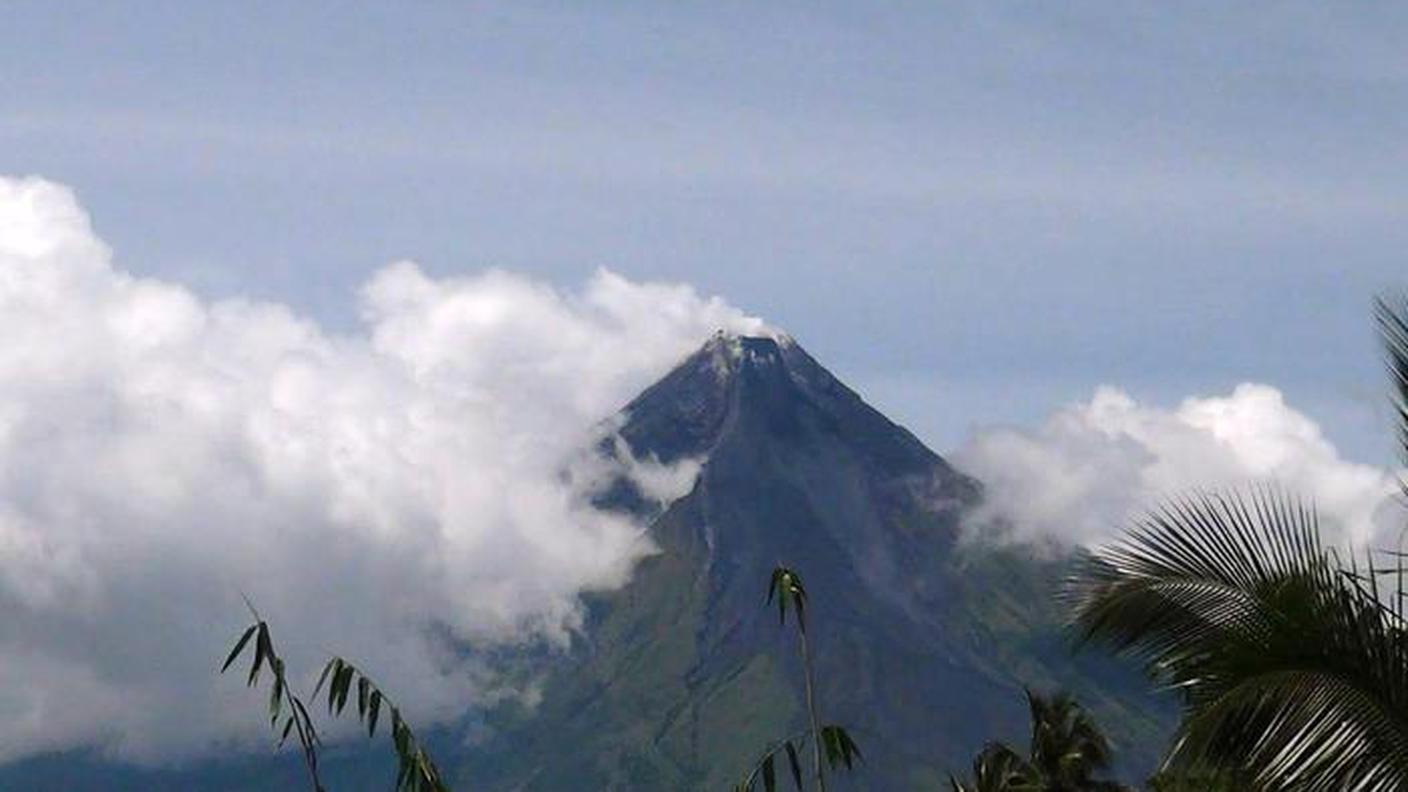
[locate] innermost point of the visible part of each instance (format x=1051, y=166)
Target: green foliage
x=766, y=768
x=1392, y=318
x=297, y=719
x=1288, y=662
x=998, y=768
x=416, y=772
x=831, y=743
x=1292, y=664
x=785, y=587
x=1066, y=752
x=1067, y=748
x=838, y=747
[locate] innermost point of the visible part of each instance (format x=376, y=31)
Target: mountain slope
x=922, y=642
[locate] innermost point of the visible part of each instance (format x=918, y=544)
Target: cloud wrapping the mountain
x=392, y=494
x=1090, y=468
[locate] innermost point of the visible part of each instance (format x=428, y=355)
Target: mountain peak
x=727, y=351
x=766, y=391
x=774, y=430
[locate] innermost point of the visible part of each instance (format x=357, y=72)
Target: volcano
x=923, y=638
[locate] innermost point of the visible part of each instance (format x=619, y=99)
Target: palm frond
x=1391, y=315
x=1298, y=730
x=1286, y=663
x=998, y=768
x=1067, y=748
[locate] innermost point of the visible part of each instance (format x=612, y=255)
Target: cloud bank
x=392, y=494
x=1084, y=473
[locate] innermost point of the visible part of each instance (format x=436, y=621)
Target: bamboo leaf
x=374, y=710
x=341, y=687
x=263, y=649
x=330, y=667
x=840, y=749
x=239, y=647
x=276, y=690
x=794, y=764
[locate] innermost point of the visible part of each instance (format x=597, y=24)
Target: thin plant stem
x=811, y=704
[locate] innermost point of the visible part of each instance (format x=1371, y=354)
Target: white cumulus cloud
x=390, y=494
x=1089, y=468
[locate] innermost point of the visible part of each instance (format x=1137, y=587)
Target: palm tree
x=1067, y=750
x=1291, y=663
x=831, y=746
x=998, y=768
x=1067, y=747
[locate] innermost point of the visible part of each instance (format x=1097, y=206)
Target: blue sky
x=973, y=212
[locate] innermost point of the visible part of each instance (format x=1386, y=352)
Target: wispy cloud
x=1083, y=474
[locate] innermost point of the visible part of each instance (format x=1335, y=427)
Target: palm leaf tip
x=1391, y=315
